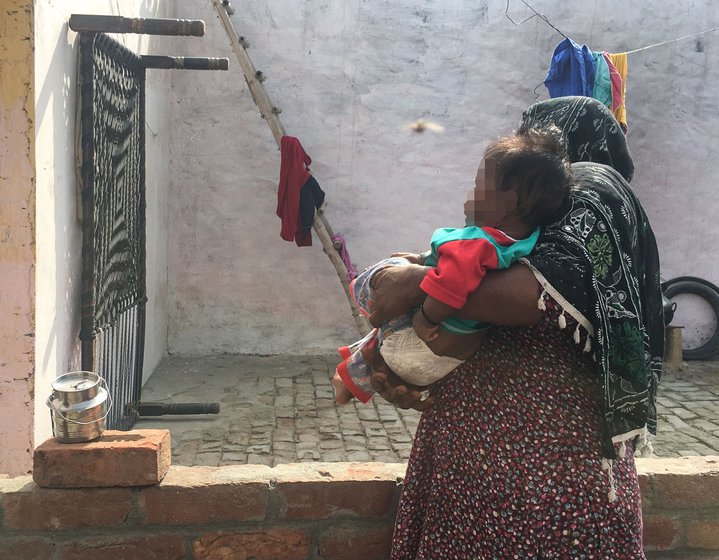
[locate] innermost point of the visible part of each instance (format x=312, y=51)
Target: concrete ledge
x=680, y=499
x=320, y=510
x=680, y=482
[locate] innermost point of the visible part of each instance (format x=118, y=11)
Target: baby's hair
x=535, y=164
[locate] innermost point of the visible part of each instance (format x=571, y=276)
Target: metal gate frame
x=112, y=151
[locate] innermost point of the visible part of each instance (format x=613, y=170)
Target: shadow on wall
x=56, y=100
x=58, y=227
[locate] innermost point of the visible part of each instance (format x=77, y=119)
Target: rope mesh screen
x=112, y=140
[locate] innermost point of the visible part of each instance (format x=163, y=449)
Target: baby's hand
x=425, y=330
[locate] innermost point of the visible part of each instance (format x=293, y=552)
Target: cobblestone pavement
x=281, y=409
x=688, y=411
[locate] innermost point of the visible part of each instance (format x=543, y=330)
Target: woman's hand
x=391, y=387
x=395, y=290
x=414, y=258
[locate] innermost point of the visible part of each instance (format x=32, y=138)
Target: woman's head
x=527, y=175
x=590, y=131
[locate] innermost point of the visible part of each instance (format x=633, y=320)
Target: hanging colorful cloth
x=571, y=71
x=345, y=256
x=298, y=193
x=620, y=63
x=616, y=80
x=311, y=198
x=602, y=81
x=294, y=171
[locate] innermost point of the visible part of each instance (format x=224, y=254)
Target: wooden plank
x=145, y=26
x=321, y=225
x=184, y=63
x=268, y=111
x=324, y=234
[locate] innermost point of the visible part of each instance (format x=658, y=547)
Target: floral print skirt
x=508, y=462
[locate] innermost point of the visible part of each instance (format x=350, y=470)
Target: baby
x=503, y=216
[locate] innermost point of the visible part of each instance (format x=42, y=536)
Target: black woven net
x=112, y=117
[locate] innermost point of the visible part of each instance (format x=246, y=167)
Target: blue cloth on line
x=571, y=71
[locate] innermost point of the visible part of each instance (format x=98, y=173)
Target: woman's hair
x=534, y=164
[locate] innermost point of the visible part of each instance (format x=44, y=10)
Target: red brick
x=352, y=543
x=38, y=508
x=686, y=491
x=322, y=490
x=703, y=534
x=26, y=549
x=269, y=544
x=189, y=495
x=156, y=547
x=685, y=482
x=320, y=500
x=645, y=489
x=660, y=533
x=134, y=458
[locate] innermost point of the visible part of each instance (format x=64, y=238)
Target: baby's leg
x=460, y=346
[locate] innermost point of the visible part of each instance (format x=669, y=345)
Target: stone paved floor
x=688, y=411
x=280, y=409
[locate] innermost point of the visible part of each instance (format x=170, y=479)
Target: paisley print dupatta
x=591, y=132
x=599, y=261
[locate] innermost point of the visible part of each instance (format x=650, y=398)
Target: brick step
x=132, y=458
x=683, y=555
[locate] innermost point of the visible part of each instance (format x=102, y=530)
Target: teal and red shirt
x=461, y=258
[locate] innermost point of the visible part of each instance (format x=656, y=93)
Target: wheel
x=708, y=292
x=696, y=279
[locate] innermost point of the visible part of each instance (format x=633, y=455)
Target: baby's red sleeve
x=461, y=265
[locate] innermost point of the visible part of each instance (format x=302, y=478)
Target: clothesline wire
x=673, y=40
x=550, y=24
x=536, y=14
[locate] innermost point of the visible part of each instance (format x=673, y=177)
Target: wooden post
x=324, y=234
x=270, y=113
x=673, y=359
x=145, y=26
x=184, y=63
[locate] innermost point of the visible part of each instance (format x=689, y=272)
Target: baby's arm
x=461, y=265
x=427, y=319
x=460, y=346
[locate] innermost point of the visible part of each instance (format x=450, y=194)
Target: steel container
x=78, y=406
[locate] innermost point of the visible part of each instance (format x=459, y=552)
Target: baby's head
x=526, y=175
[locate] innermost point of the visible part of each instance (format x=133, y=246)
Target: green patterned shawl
x=603, y=237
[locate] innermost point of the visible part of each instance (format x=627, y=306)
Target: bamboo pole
x=270, y=114
x=254, y=83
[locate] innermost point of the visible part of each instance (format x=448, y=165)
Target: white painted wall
x=59, y=238
x=348, y=75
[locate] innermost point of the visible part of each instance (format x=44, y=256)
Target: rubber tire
x=696, y=279
x=710, y=293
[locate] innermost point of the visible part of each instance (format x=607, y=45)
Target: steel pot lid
x=76, y=386
x=75, y=381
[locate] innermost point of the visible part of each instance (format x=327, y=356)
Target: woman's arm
x=505, y=297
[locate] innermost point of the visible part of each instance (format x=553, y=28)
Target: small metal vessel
x=78, y=406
